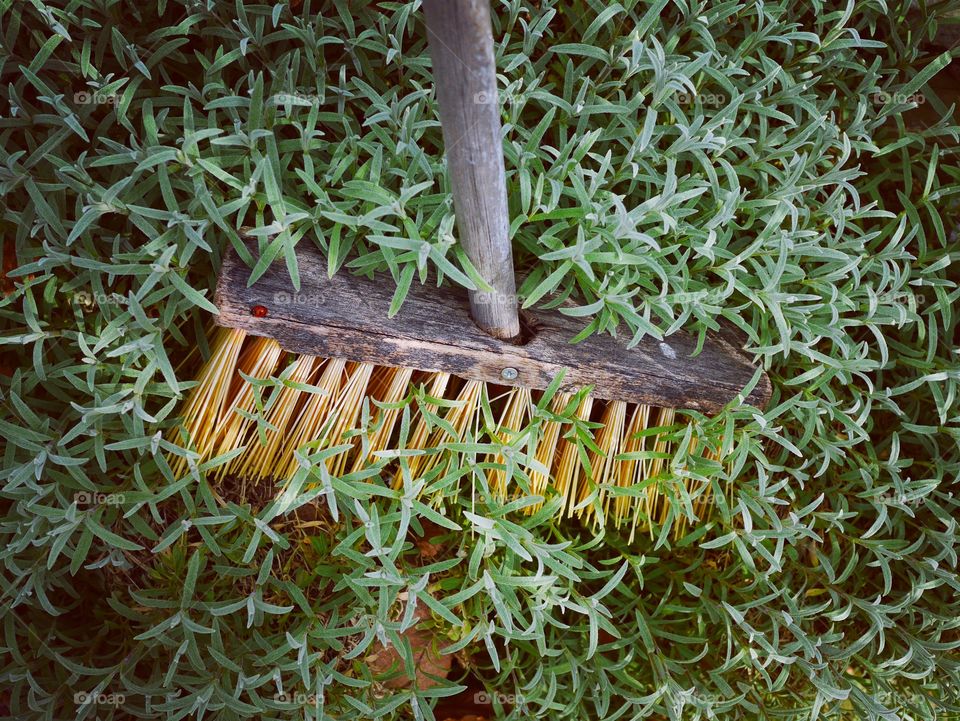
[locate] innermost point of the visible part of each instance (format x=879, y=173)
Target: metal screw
x=509, y=374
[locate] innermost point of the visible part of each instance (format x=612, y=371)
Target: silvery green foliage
x=670, y=163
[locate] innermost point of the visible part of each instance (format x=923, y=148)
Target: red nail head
x=258, y=311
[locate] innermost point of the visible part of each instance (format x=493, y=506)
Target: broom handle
x=461, y=47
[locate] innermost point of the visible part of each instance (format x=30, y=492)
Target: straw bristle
x=310, y=404
x=461, y=417
x=391, y=390
x=516, y=414
x=259, y=360
x=313, y=417
x=205, y=406
x=259, y=462
x=546, y=450
x=569, y=469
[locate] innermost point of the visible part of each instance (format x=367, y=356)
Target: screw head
x=509, y=374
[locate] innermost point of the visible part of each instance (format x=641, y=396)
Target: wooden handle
x=461, y=47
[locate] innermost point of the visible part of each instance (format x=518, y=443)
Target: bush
x=669, y=164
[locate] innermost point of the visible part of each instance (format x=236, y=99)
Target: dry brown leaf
x=425, y=644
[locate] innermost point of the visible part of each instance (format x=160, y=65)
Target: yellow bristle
x=260, y=459
x=345, y=413
x=516, y=413
x=313, y=415
x=205, y=405
x=681, y=520
x=380, y=381
x=396, y=383
x=258, y=360
x=631, y=472
x=609, y=439
x=465, y=414
x=568, y=468
x=655, y=507
x=624, y=472
x=341, y=407
x=700, y=506
x=546, y=450
x=418, y=439
x=462, y=415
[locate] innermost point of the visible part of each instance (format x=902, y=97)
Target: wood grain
x=346, y=316
x=460, y=39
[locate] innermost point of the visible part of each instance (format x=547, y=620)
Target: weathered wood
x=346, y=317
x=461, y=48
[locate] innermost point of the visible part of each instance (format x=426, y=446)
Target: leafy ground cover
x=789, y=167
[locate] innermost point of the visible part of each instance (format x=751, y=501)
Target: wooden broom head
x=346, y=316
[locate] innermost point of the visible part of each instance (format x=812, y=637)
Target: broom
x=452, y=371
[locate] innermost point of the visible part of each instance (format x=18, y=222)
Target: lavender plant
x=789, y=167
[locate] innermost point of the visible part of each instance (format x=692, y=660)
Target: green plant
x=669, y=164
